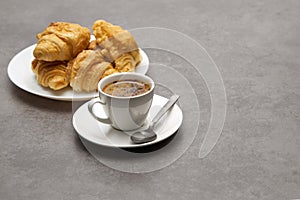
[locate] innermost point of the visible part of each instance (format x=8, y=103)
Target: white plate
x=101, y=134
x=20, y=73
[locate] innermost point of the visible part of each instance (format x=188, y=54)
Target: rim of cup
x=102, y=84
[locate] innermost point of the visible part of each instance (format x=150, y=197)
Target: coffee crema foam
x=126, y=88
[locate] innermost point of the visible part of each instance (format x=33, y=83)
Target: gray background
x=256, y=46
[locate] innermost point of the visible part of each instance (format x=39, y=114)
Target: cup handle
x=90, y=108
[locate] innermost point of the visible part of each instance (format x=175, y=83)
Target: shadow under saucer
x=94, y=148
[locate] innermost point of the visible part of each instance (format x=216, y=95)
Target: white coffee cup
x=123, y=113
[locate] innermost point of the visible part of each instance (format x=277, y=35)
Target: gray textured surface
x=256, y=46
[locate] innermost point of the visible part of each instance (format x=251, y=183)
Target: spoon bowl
x=149, y=134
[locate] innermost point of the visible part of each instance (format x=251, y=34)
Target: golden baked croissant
x=51, y=74
x=128, y=61
x=87, y=69
x=61, y=41
x=113, y=40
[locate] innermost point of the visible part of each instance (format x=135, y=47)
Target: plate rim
x=130, y=145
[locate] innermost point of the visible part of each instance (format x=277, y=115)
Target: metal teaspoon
x=149, y=135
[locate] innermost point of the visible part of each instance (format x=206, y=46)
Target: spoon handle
x=165, y=108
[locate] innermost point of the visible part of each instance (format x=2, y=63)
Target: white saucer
x=20, y=73
x=101, y=134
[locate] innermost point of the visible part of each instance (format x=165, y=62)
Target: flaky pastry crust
x=113, y=40
x=86, y=70
x=51, y=74
x=61, y=41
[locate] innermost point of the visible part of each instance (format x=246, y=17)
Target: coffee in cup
x=126, y=88
x=126, y=99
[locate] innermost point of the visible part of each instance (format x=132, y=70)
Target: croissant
x=113, y=40
x=51, y=74
x=87, y=69
x=61, y=41
x=128, y=61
